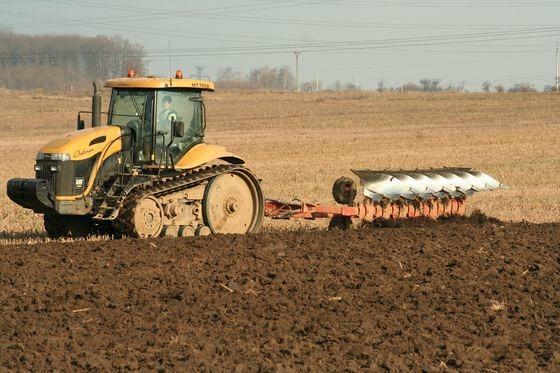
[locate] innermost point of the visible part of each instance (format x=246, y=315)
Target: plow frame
x=367, y=210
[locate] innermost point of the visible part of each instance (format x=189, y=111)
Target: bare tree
x=451, y=88
x=499, y=88
x=522, y=88
x=272, y=78
x=380, y=85
x=411, y=87
x=434, y=86
x=486, y=86
x=337, y=86
x=426, y=84
x=265, y=77
x=226, y=74
x=430, y=85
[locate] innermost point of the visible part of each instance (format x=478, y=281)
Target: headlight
x=54, y=156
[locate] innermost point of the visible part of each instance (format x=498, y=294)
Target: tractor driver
x=167, y=114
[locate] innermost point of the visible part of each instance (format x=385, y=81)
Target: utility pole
x=297, y=53
x=557, y=69
x=169, y=54
x=199, y=70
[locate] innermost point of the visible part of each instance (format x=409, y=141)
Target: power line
x=403, y=42
x=447, y=4
x=225, y=13
x=399, y=4
x=209, y=12
x=303, y=22
x=173, y=33
x=150, y=14
x=353, y=24
x=392, y=43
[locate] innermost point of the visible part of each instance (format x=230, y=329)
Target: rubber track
x=124, y=221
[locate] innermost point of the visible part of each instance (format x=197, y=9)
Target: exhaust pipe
x=96, y=105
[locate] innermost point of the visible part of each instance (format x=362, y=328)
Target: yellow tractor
x=147, y=173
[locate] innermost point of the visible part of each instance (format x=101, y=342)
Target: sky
x=356, y=41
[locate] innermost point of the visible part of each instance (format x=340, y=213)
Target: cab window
x=132, y=108
x=179, y=106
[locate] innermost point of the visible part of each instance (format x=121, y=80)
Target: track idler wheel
x=344, y=191
x=147, y=218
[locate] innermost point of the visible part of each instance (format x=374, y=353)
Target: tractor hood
x=83, y=144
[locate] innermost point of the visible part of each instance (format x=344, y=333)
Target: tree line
x=63, y=62
x=435, y=85
x=265, y=77
x=282, y=79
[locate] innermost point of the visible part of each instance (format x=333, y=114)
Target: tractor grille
x=45, y=172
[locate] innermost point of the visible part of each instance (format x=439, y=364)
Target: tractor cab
x=165, y=117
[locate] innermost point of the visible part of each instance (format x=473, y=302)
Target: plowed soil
x=463, y=294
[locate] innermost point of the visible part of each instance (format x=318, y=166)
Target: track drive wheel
x=233, y=203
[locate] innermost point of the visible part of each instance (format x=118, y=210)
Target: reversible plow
x=406, y=194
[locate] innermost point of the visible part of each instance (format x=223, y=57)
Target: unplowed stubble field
x=299, y=144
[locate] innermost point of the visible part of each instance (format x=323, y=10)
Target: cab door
x=181, y=106
x=134, y=109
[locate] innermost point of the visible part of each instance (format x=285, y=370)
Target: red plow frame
x=367, y=210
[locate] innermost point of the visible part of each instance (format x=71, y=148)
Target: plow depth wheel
x=340, y=223
x=233, y=203
x=148, y=218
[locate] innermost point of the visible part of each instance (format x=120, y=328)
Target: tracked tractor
x=148, y=172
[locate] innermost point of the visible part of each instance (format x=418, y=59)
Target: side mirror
x=178, y=129
x=81, y=124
